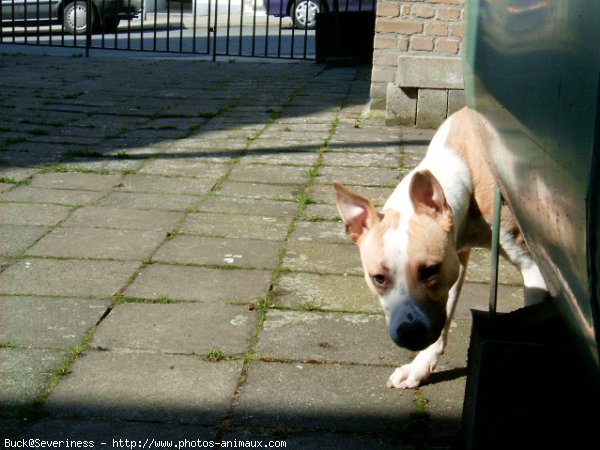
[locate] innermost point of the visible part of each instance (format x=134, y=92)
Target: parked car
x=304, y=12
x=105, y=14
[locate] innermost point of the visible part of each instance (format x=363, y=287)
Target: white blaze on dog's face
x=408, y=257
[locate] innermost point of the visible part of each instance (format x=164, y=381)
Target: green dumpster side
x=531, y=67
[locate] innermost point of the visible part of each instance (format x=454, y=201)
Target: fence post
x=214, y=49
x=88, y=28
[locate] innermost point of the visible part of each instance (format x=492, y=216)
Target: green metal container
x=532, y=68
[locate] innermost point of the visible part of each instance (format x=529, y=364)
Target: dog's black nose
x=411, y=335
x=409, y=328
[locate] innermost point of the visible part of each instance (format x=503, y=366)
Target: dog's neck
x=453, y=175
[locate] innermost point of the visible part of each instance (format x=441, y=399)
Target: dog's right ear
x=356, y=211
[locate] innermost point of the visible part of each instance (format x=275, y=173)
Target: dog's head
x=408, y=257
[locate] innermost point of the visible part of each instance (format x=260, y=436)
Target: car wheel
x=75, y=17
x=304, y=13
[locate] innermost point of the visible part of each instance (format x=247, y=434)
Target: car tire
x=75, y=17
x=304, y=13
x=111, y=24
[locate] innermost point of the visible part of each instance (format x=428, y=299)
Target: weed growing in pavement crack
x=314, y=172
x=303, y=200
x=216, y=355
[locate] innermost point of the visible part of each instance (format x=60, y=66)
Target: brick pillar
x=421, y=34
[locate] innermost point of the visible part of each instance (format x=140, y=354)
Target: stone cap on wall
x=432, y=72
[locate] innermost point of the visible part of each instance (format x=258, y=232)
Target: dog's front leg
x=416, y=373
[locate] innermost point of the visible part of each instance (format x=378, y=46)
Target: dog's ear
x=356, y=211
x=428, y=197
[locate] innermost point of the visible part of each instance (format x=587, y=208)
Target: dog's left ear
x=356, y=211
x=428, y=197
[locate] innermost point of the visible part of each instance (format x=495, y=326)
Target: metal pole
x=214, y=56
x=495, y=252
x=88, y=27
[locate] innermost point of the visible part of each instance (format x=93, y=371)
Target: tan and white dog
x=415, y=251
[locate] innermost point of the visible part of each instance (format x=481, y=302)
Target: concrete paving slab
x=211, y=149
x=375, y=135
x=352, y=159
x=316, y=397
x=200, y=284
x=24, y=374
x=145, y=387
x=225, y=121
x=15, y=155
x=186, y=167
x=318, y=212
x=444, y=402
x=324, y=193
x=322, y=257
x=288, y=134
x=136, y=200
x=301, y=114
x=236, y=226
x=155, y=134
x=316, y=336
x=222, y=123
x=32, y=213
x=264, y=151
x=320, y=232
x=43, y=322
x=105, y=164
x=117, y=433
x=101, y=243
x=219, y=251
x=123, y=150
x=305, y=291
x=360, y=176
x=454, y=358
x=181, y=328
x=277, y=147
x=323, y=129
x=167, y=185
x=17, y=174
x=255, y=207
x=11, y=428
x=76, y=180
x=55, y=196
x=476, y=296
x=15, y=239
x=68, y=278
x=122, y=218
x=287, y=192
x=343, y=144
x=479, y=269
x=275, y=174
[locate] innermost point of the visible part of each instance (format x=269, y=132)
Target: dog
x=415, y=251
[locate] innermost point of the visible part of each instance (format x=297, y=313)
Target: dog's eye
x=427, y=273
x=380, y=280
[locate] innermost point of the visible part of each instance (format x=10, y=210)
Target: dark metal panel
x=532, y=68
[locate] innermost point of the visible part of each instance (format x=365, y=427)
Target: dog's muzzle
x=409, y=327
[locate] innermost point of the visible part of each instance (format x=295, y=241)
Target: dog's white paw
x=409, y=376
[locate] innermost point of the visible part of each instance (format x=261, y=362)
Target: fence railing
x=255, y=28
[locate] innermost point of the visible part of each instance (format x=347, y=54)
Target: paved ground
x=172, y=267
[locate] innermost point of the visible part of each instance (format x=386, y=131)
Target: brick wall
x=417, y=76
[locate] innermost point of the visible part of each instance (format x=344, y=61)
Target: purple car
x=304, y=12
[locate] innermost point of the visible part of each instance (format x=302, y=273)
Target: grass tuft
x=216, y=355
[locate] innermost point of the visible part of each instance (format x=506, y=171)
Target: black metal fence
x=254, y=28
